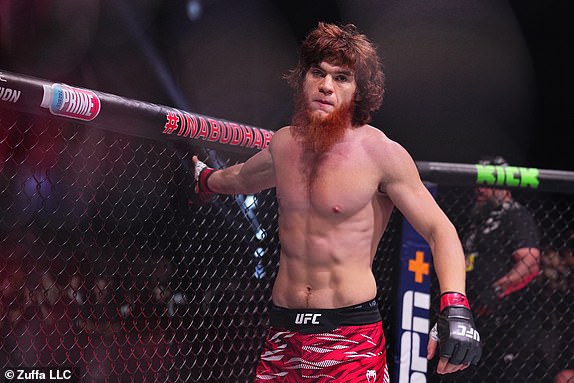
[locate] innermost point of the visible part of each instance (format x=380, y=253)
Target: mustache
x=320, y=133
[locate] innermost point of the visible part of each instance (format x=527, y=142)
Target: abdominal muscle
x=324, y=266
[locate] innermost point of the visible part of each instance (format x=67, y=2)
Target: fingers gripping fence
x=107, y=268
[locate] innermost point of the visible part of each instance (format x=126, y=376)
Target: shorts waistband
x=308, y=321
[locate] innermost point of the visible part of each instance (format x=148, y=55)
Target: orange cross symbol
x=419, y=266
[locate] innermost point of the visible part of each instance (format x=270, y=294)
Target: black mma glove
x=202, y=174
x=459, y=341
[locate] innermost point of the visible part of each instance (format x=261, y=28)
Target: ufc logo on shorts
x=467, y=332
x=307, y=318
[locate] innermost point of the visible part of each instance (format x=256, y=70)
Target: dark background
x=464, y=77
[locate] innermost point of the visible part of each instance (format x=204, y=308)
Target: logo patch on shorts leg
x=371, y=376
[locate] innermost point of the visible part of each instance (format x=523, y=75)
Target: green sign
x=512, y=176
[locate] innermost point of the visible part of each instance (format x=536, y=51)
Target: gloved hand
x=458, y=339
x=201, y=174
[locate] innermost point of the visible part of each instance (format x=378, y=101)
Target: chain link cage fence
x=531, y=338
x=108, y=268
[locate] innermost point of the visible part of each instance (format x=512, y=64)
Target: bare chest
x=340, y=183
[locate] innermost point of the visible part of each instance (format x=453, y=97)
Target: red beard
x=319, y=133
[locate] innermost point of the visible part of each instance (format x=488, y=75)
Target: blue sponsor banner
x=413, y=306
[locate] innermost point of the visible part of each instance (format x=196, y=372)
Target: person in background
x=567, y=256
x=554, y=274
x=502, y=249
x=100, y=312
x=564, y=376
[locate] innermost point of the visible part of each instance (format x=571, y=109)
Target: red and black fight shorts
x=334, y=345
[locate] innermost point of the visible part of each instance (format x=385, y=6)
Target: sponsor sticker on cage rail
x=203, y=128
x=67, y=101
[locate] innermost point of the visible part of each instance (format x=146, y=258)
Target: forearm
x=448, y=258
x=252, y=176
x=519, y=273
x=238, y=179
x=525, y=268
x=226, y=181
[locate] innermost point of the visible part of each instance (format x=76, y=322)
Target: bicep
x=252, y=176
x=411, y=197
x=418, y=206
x=257, y=173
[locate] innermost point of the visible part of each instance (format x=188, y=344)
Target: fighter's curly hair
x=345, y=46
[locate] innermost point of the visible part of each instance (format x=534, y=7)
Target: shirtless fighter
x=337, y=181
